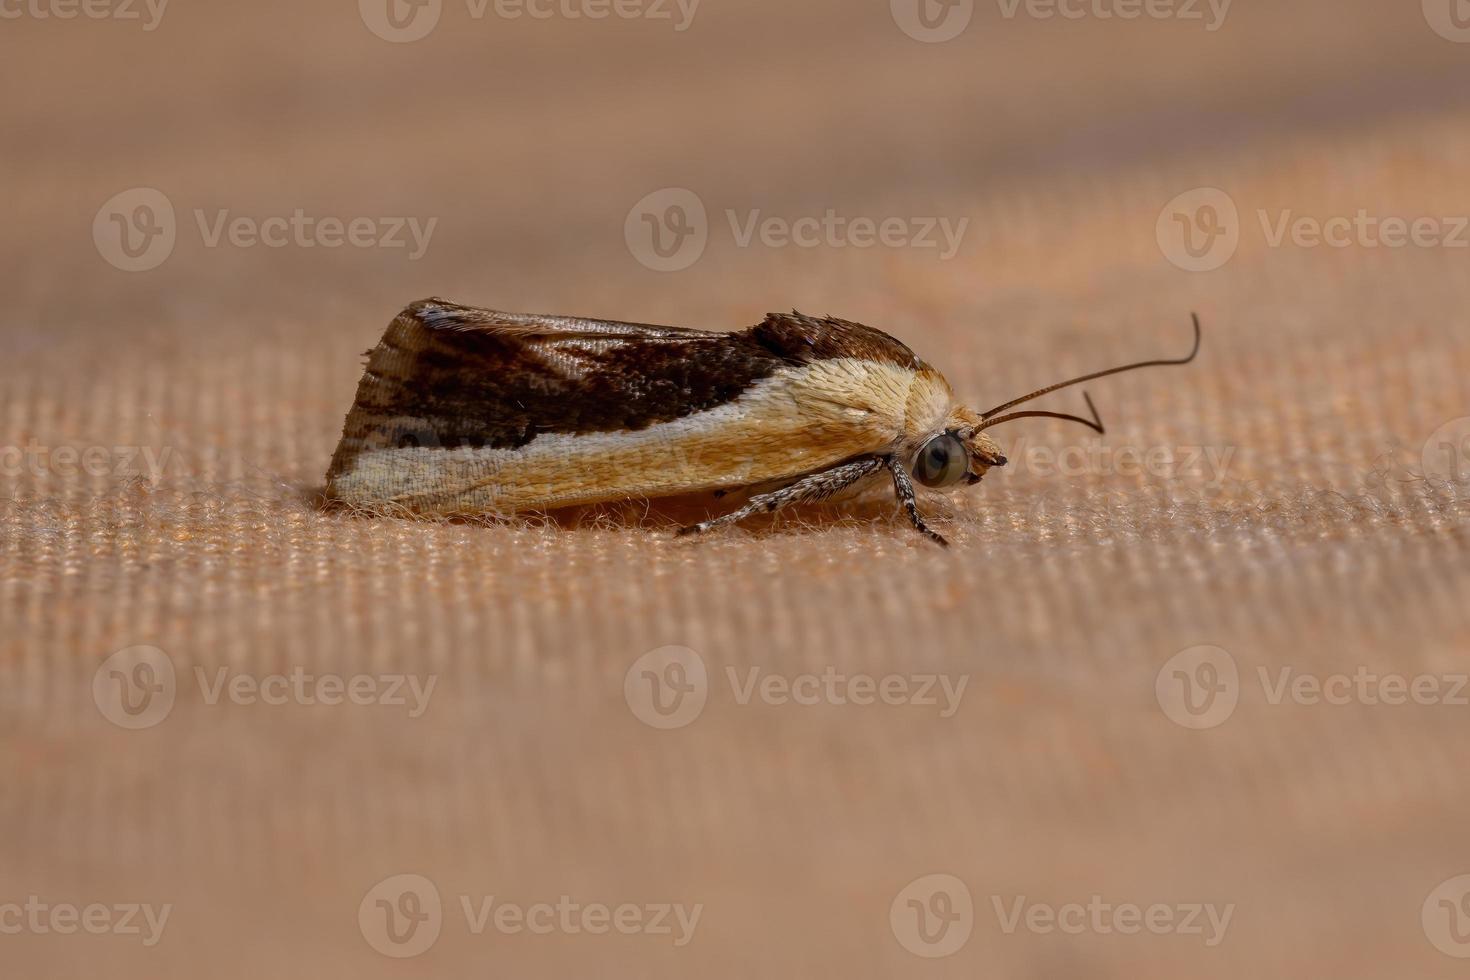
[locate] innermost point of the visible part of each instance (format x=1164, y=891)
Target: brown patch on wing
x=801, y=338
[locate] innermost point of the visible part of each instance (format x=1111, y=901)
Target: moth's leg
x=809, y=489
x=905, y=491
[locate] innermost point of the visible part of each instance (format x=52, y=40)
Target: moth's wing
x=462, y=410
x=452, y=318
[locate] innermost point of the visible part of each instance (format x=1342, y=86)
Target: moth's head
x=958, y=453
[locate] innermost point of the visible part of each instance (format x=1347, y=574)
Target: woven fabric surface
x=1290, y=510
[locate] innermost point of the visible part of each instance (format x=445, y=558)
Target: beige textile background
x=1296, y=527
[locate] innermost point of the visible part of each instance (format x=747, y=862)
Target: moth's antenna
x=1095, y=423
x=1086, y=377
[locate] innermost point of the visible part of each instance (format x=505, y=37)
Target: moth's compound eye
x=942, y=462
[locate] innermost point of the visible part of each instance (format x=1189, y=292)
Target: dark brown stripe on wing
x=803, y=338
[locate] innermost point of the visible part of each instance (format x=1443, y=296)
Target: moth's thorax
x=929, y=404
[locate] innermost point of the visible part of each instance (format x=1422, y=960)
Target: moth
x=465, y=411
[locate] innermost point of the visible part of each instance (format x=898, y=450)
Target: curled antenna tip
x=1095, y=416
x=1198, y=336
